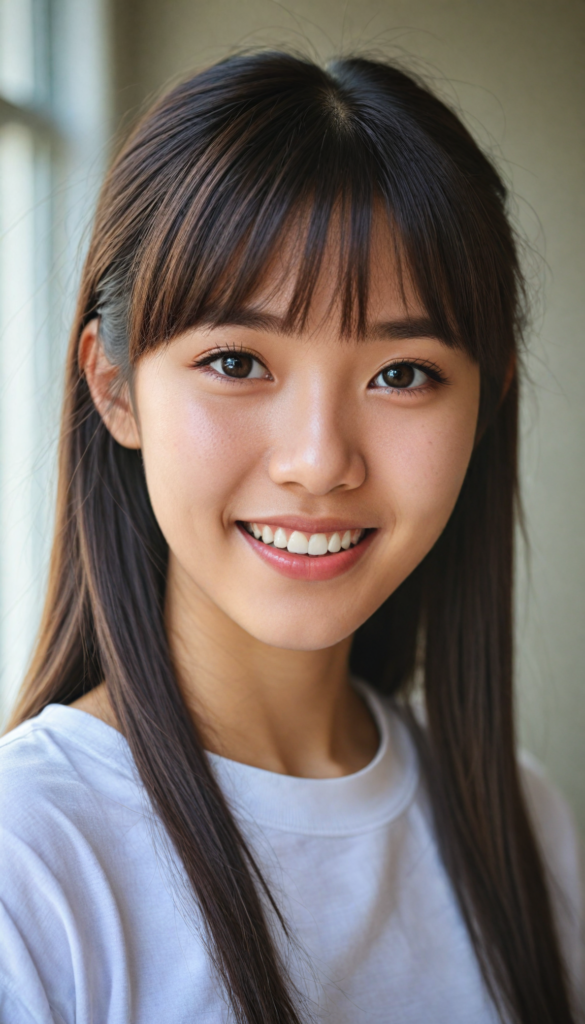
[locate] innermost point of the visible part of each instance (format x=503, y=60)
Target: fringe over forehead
x=208, y=188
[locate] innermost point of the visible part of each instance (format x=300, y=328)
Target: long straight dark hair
x=250, y=152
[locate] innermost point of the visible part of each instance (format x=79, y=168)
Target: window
x=53, y=132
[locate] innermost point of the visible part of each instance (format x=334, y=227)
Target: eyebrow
x=402, y=330
x=393, y=330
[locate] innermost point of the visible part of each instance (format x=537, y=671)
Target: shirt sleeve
x=22, y=997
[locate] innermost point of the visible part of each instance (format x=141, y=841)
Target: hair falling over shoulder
x=191, y=213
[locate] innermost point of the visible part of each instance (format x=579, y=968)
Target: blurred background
x=75, y=74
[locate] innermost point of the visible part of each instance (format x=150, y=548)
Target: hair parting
x=254, y=164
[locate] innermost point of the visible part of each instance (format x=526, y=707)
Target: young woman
x=287, y=491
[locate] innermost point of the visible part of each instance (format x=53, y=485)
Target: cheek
x=421, y=464
x=196, y=452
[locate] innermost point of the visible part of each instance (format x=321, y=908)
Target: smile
x=317, y=544
x=289, y=551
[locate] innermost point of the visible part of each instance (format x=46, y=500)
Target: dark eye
x=239, y=365
x=402, y=376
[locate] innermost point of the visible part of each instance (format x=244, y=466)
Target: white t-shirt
x=96, y=928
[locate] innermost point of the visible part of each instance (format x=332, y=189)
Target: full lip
x=305, y=567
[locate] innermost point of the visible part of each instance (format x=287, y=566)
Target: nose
x=315, y=443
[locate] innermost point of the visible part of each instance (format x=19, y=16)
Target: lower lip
x=309, y=567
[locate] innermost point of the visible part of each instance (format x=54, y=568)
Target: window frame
x=67, y=116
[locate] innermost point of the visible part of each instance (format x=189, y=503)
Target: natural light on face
x=299, y=478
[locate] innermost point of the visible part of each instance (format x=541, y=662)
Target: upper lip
x=305, y=525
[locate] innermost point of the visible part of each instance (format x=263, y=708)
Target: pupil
x=399, y=376
x=236, y=366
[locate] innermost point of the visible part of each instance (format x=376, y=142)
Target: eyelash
x=202, y=364
x=436, y=377
x=432, y=371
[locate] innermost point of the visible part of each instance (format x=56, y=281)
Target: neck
x=287, y=711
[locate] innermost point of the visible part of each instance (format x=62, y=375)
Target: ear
x=111, y=400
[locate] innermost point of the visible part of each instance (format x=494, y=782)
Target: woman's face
x=263, y=450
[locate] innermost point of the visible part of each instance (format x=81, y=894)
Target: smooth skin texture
x=312, y=435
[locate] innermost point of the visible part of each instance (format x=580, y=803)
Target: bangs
x=270, y=162
x=301, y=195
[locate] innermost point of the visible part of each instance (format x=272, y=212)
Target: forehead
x=393, y=307
x=389, y=290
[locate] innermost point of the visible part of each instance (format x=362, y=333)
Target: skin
x=262, y=659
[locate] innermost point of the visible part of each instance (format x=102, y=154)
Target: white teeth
x=300, y=544
x=317, y=544
x=297, y=543
x=334, y=544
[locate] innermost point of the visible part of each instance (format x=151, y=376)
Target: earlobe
x=111, y=397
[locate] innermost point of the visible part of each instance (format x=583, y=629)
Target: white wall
x=517, y=70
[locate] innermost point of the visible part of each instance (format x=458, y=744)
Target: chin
x=300, y=634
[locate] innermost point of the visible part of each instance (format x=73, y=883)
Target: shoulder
x=68, y=791
x=33, y=764
x=56, y=770
x=559, y=843
x=37, y=796
x=554, y=825
x=550, y=814
x=35, y=759
x=553, y=822
x=67, y=801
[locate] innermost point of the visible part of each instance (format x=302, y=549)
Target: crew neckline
x=346, y=805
